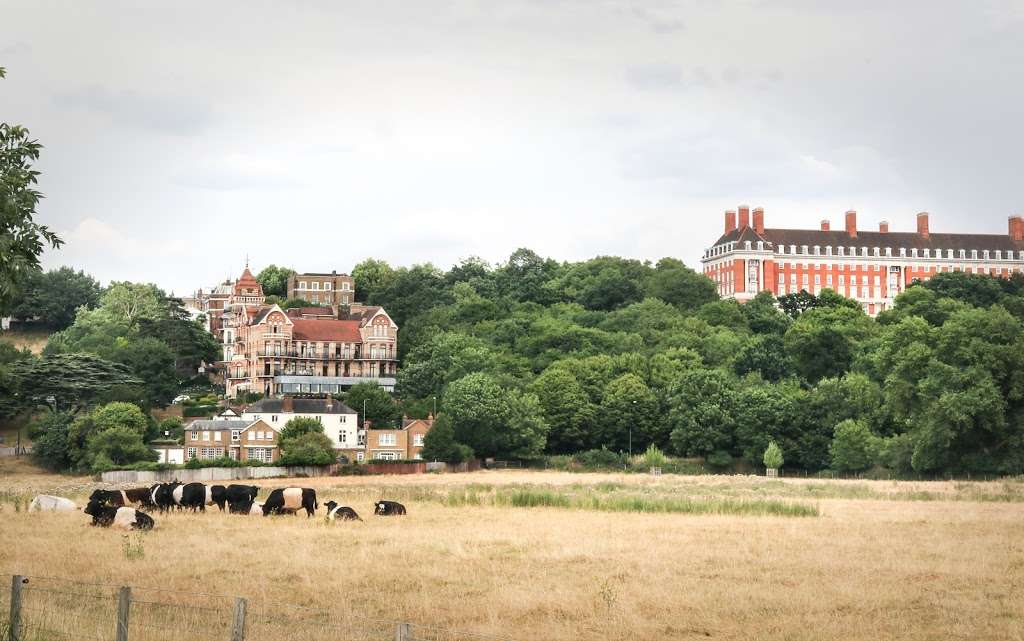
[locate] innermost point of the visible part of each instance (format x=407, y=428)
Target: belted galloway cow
x=290, y=500
x=125, y=518
x=340, y=512
x=388, y=508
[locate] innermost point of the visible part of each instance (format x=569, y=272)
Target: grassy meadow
x=548, y=555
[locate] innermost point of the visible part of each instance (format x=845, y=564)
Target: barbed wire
x=76, y=613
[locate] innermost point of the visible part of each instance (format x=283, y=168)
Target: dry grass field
x=882, y=560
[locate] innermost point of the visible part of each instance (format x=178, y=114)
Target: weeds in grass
x=134, y=547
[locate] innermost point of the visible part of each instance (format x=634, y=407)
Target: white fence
x=215, y=474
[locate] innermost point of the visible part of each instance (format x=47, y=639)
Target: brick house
x=276, y=353
x=398, y=444
x=334, y=289
x=241, y=440
x=871, y=267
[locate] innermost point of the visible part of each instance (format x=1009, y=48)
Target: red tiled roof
x=337, y=331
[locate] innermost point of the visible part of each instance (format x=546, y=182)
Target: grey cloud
x=169, y=114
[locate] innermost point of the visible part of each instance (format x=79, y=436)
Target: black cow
x=388, y=508
x=127, y=518
x=239, y=497
x=140, y=495
x=247, y=508
x=335, y=511
x=193, y=496
x=290, y=500
x=114, y=498
x=217, y=494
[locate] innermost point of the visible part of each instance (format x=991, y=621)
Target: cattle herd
x=128, y=509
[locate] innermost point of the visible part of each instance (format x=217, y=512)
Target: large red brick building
x=871, y=267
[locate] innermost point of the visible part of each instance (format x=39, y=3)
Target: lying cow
x=126, y=518
x=340, y=512
x=388, y=508
x=47, y=503
x=290, y=500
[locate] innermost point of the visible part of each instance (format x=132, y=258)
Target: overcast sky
x=316, y=134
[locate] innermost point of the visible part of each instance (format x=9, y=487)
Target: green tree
x=116, y=447
x=22, y=240
x=55, y=296
x=702, y=406
x=311, y=448
x=854, y=448
x=765, y=355
x=274, y=280
x=299, y=426
x=628, y=406
x=372, y=277
x=49, y=434
x=381, y=408
x=677, y=284
x=567, y=410
x=495, y=421
x=65, y=382
x=773, y=456
x=440, y=444
x=111, y=435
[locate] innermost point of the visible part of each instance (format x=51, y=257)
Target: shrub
x=719, y=460
x=599, y=459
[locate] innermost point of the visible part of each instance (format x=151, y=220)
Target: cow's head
x=330, y=505
x=93, y=508
x=380, y=508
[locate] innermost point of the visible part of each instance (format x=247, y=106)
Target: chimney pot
x=287, y=404
x=744, y=217
x=922, y=224
x=883, y=226
x=851, y=223
x=730, y=221
x=825, y=225
x=759, y=220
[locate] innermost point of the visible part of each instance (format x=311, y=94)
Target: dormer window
x=817, y=250
x=842, y=251
x=963, y=253
x=903, y=252
x=999, y=255
x=792, y=249
x=913, y=252
x=760, y=245
x=746, y=245
x=974, y=254
x=888, y=251
x=828, y=250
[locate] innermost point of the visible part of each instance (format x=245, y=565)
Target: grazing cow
x=166, y=495
x=139, y=495
x=290, y=500
x=248, y=508
x=216, y=494
x=388, y=508
x=127, y=518
x=47, y=503
x=193, y=496
x=340, y=512
x=240, y=496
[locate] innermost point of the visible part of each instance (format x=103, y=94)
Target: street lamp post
x=364, y=413
x=435, y=407
x=631, y=431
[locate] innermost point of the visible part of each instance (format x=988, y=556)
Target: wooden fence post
x=403, y=632
x=238, y=627
x=14, y=633
x=124, y=601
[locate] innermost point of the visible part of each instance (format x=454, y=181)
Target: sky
x=182, y=137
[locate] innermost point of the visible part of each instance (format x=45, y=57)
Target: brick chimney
x=744, y=216
x=287, y=404
x=922, y=224
x=1017, y=228
x=730, y=221
x=883, y=227
x=851, y=223
x=759, y=220
x=825, y=225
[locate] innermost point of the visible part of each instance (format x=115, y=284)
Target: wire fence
x=57, y=609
